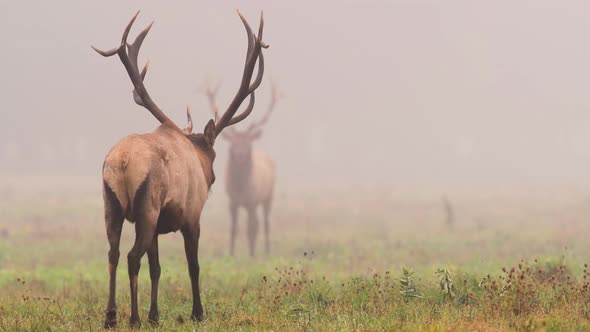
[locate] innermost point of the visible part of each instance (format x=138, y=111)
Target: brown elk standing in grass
x=250, y=175
x=160, y=181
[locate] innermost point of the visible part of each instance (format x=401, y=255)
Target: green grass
x=337, y=265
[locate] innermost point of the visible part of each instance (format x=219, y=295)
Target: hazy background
x=432, y=96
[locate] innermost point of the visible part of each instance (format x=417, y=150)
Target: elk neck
x=207, y=156
x=240, y=170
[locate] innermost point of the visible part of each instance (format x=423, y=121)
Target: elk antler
x=128, y=54
x=189, y=119
x=211, y=93
x=254, y=53
x=275, y=96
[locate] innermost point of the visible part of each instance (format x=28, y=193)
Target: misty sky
x=438, y=95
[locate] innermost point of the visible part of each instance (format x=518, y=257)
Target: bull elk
x=250, y=175
x=160, y=180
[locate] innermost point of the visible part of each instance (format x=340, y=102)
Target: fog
x=412, y=95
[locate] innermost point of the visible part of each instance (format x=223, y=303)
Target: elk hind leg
x=266, y=211
x=155, y=271
x=114, y=225
x=146, y=216
x=233, y=210
x=252, y=230
x=191, y=247
x=145, y=231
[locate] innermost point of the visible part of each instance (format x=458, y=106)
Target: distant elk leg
x=155, y=271
x=114, y=224
x=266, y=211
x=191, y=247
x=144, y=235
x=252, y=230
x=233, y=210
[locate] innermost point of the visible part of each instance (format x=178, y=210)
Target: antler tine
x=258, y=79
x=108, y=53
x=140, y=94
x=123, y=40
x=189, y=120
x=260, y=28
x=245, y=113
x=133, y=49
x=128, y=54
x=216, y=87
x=136, y=96
x=211, y=92
x=274, y=91
x=144, y=70
x=247, y=87
x=273, y=100
x=128, y=29
x=250, y=34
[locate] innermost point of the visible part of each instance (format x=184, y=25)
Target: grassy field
x=366, y=261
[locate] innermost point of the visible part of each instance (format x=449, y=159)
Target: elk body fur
x=249, y=178
x=160, y=181
x=175, y=170
x=250, y=188
x=252, y=184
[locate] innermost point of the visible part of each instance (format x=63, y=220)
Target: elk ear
x=210, y=132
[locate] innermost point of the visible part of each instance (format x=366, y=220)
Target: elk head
x=240, y=150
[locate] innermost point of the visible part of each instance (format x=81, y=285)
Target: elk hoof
x=134, y=322
x=110, y=320
x=154, y=318
x=197, y=317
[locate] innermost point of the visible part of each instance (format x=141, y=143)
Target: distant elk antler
x=250, y=174
x=160, y=181
x=211, y=91
x=275, y=96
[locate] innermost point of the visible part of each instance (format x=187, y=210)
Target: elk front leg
x=191, y=248
x=266, y=211
x=155, y=271
x=233, y=210
x=144, y=234
x=252, y=230
x=114, y=224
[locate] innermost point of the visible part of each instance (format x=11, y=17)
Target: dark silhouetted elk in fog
x=160, y=181
x=250, y=175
